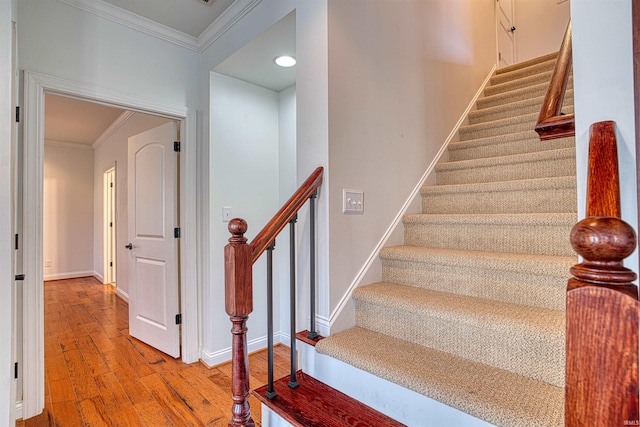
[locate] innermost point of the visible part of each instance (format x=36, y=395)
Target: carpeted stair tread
x=556, y=194
x=494, y=395
x=530, y=70
x=531, y=233
x=535, y=280
x=528, y=63
x=463, y=325
x=536, y=90
x=539, y=164
x=504, y=145
x=512, y=109
x=501, y=126
x=526, y=81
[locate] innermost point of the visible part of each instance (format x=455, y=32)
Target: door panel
x=506, y=33
x=153, y=272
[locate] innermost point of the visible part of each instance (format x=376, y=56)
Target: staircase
x=470, y=310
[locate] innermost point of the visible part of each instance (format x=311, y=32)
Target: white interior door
x=505, y=32
x=153, y=265
x=109, y=227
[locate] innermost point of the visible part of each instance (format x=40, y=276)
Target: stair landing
x=315, y=404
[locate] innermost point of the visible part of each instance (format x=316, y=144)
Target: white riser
x=399, y=403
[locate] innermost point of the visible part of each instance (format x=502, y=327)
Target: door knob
x=512, y=29
x=129, y=246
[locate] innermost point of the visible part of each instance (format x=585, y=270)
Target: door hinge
x=178, y=319
x=111, y=184
x=110, y=263
x=15, y=370
x=499, y=56
x=176, y=232
x=111, y=224
x=17, y=114
x=19, y=277
x=176, y=146
x=16, y=242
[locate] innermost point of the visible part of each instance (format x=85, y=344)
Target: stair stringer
x=397, y=402
x=343, y=317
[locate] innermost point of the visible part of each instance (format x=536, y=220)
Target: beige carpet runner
x=470, y=311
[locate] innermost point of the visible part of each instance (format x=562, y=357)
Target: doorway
x=109, y=225
x=36, y=86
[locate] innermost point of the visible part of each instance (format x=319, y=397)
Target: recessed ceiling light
x=285, y=61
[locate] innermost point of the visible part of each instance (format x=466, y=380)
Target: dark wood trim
x=285, y=214
x=304, y=337
x=602, y=304
x=315, y=404
x=635, y=18
x=551, y=123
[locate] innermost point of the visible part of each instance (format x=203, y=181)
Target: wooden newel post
x=239, y=304
x=602, y=303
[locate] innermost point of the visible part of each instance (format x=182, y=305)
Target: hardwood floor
x=97, y=375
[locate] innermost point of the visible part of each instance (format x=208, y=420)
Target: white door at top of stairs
x=505, y=32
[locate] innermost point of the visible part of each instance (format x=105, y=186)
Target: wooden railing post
x=602, y=303
x=239, y=304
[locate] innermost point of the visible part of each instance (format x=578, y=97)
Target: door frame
x=109, y=212
x=36, y=85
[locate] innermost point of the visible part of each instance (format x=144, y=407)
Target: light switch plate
x=352, y=202
x=226, y=214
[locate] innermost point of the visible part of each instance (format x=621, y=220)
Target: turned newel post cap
x=237, y=228
x=603, y=239
x=603, y=242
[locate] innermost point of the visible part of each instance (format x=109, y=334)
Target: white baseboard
x=68, y=275
x=18, y=412
x=122, y=294
x=98, y=276
x=221, y=356
x=335, y=318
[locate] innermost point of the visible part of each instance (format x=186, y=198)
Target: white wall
x=287, y=186
x=68, y=210
x=540, y=26
x=7, y=398
x=114, y=151
x=604, y=91
x=245, y=151
x=311, y=145
x=64, y=41
x=400, y=76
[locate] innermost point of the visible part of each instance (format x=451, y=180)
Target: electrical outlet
x=47, y=263
x=352, y=202
x=226, y=214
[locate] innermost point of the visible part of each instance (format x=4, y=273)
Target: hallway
x=96, y=374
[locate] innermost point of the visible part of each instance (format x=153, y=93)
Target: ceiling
x=191, y=17
x=78, y=122
x=81, y=122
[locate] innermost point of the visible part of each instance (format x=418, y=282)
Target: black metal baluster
x=312, y=265
x=293, y=382
x=271, y=393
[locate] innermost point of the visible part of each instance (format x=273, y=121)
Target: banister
x=239, y=258
x=288, y=211
x=602, y=304
x=551, y=122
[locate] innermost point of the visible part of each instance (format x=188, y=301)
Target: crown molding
x=235, y=12
x=117, y=123
x=140, y=23
x=228, y=18
x=64, y=144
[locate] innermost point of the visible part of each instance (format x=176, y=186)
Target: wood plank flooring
x=97, y=375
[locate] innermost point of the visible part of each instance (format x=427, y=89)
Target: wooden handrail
x=288, y=211
x=239, y=258
x=551, y=122
x=602, y=304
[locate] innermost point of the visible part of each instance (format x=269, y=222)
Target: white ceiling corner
x=191, y=24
